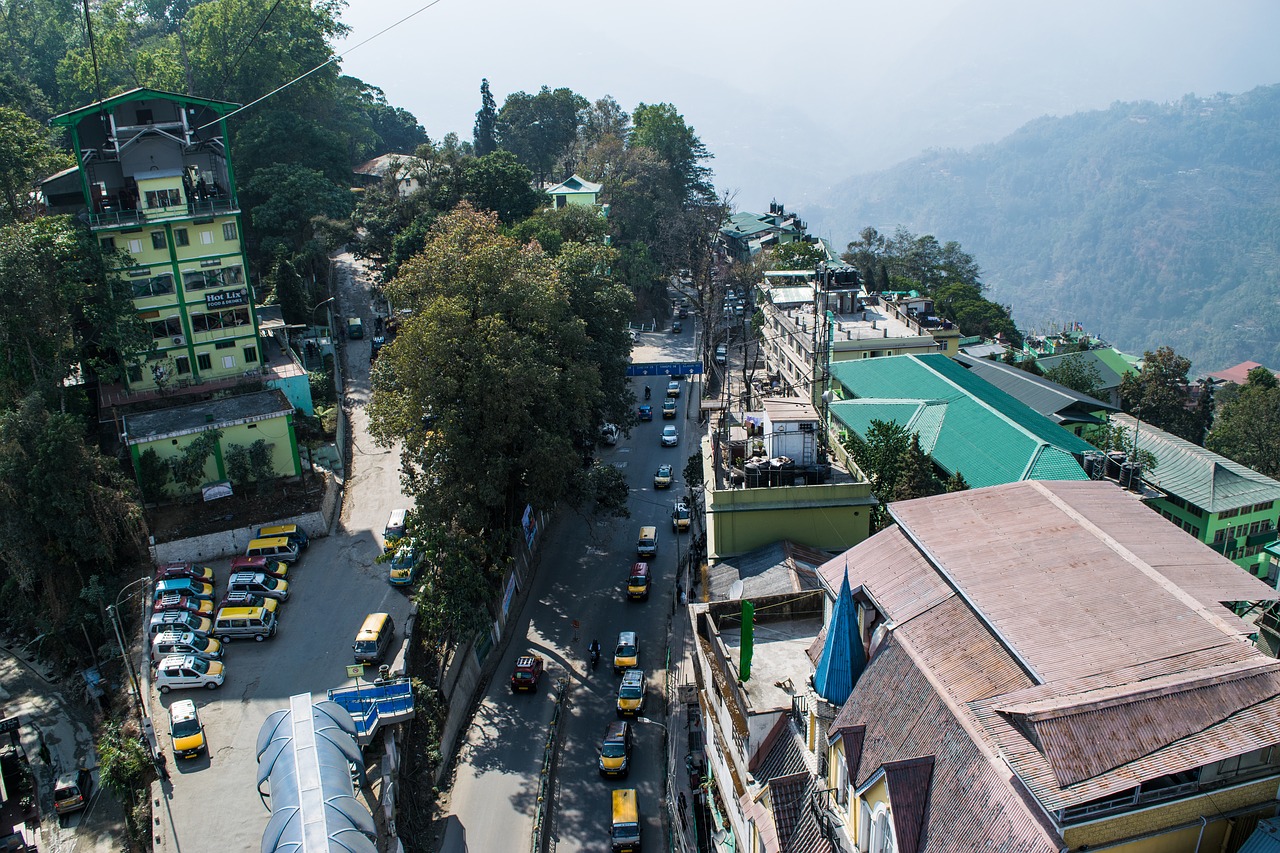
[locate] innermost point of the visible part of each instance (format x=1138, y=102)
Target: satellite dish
x=735, y=591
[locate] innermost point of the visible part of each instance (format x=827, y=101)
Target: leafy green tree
x=1158, y=394
x=459, y=581
x=540, y=129
x=493, y=352
x=283, y=202
x=692, y=473
x=188, y=466
x=660, y=128
x=956, y=483
x=498, y=182
x=153, y=476
x=1247, y=429
x=392, y=130
x=916, y=478
x=605, y=491
x=280, y=137
x=26, y=155
x=35, y=36
x=879, y=456
x=66, y=512
x=60, y=308
x=603, y=304
x=485, y=134
x=552, y=227
x=798, y=255
x=1077, y=373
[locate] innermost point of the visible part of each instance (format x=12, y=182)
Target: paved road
x=582, y=576
x=211, y=803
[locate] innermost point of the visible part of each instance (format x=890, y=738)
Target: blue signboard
x=670, y=368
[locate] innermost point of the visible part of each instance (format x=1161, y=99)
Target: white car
x=181, y=672
x=670, y=438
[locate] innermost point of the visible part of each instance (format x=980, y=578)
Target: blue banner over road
x=667, y=368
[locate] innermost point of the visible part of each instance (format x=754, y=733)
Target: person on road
x=594, y=651
x=646, y=392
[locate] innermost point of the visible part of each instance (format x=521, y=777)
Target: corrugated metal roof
x=890, y=570
x=1046, y=397
x=1110, y=365
x=973, y=805
x=1265, y=838
x=796, y=295
x=779, y=567
x=909, y=783
x=965, y=423
x=1199, y=476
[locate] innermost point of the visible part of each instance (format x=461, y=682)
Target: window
x=250, y=355
x=204, y=362
x=229, y=362
x=154, y=286
x=215, y=320
x=134, y=372
x=1231, y=513
x=206, y=237
x=107, y=243
x=183, y=364
x=881, y=833
x=163, y=198
x=1195, y=531
x=158, y=241
x=135, y=247
x=228, y=231
x=1219, y=536
x=168, y=328
x=145, y=116
x=224, y=345
x=180, y=237
x=1263, y=506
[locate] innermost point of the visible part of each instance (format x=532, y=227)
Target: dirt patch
x=170, y=522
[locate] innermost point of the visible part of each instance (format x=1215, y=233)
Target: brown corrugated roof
x=1011, y=549
x=1086, y=649
x=786, y=800
x=972, y=804
x=909, y=784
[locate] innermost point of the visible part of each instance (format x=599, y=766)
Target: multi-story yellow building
x=157, y=184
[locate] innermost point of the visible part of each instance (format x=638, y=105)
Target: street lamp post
x=113, y=613
x=312, y=313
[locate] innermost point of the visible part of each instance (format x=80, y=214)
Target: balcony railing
x=119, y=218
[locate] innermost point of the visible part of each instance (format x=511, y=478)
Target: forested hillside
x=1149, y=223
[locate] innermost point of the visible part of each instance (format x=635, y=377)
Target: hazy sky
x=792, y=98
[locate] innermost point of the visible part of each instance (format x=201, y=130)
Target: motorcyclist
x=594, y=651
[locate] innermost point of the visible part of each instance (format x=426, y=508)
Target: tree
x=459, y=581
x=153, y=476
x=605, y=492
x=66, y=512
x=1077, y=373
x=798, y=255
x=956, y=483
x=1247, y=429
x=916, y=478
x=59, y=308
x=553, y=227
x=540, y=129
x=26, y=155
x=499, y=183
x=660, y=128
x=188, y=466
x=879, y=456
x=493, y=352
x=485, y=132
x=1158, y=394
x=284, y=201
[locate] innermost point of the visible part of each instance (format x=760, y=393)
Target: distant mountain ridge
x=1149, y=223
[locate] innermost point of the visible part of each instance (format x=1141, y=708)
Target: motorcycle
x=595, y=658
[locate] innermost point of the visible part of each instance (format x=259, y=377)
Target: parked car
x=527, y=673
x=609, y=434
x=174, y=601
x=662, y=478
x=170, y=571
x=292, y=532
x=183, y=586
x=247, y=599
x=185, y=643
x=185, y=729
x=180, y=620
x=265, y=565
x=631, y=693
x=181, y=673
x=673, y=388
x=670, y=438
x=72, y=791
x=257, y=582
x=645, y=413
x=668, y=409
x=355, y=328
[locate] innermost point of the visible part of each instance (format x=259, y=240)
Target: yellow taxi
x=631, y=693
x=185, y=729
x=627, y=653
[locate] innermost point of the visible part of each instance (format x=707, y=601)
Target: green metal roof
x=69, y=118
x=1198, y=476
x=1110, y=363
x=965, y=424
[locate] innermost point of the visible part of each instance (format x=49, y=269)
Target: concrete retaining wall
x=229, y=543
